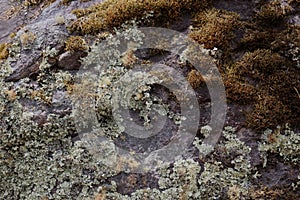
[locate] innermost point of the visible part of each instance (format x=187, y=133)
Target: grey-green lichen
x=42, y=161
x=282, y=141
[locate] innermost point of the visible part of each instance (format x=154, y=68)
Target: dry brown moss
x=269, y=82
x=273, y=194
x=260, y=63
x=238, y=90
x=75, y=43
x=3, y=51
x=195, y=79
x=37, y=2
x=272, y=12
x=214, y=28
x=113, y=13
x=269, y=111
x=257, y=39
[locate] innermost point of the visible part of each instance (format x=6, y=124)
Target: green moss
x=113, y=13
x=214, y=28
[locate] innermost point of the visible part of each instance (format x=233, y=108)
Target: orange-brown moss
x=75, y=43
x=113, y=13
x=37, y=2
x=273, y=194
x=4, y=51
x=260, y=63
x=269, y=111
x=239, y=91
x=195, y=79
x=273, y=12
x=214, y=28
x=66, y=2
x=257, y=39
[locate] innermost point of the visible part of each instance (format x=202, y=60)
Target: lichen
x=282, y=141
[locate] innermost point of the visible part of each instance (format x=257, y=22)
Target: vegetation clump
x=273, y=12
x=269, y=111
x=195, y=79
x=75, y=43
x=4, y=51
x=260, y=63
x=113, y=13
x=214, y=28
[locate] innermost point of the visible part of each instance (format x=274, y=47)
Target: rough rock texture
x=42, y=151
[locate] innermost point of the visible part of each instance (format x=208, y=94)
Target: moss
x=113, y=13
x=66, y=2
x=273, y=12
x=75, y=43
x=275, y=79
x=238, y=90
x=255, y=39
x=27, y=38
x=195, y=79
x=269, y=111
x=260, y=63
x=33, y=3
x=272, y=194
x=287, y=43
x=4, y=51
x=214, y=28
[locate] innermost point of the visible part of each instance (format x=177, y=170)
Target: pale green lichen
x=282, y=141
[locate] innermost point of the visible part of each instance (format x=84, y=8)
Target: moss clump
x=37, y=2
x=272, y=194
x=27, y=38
x=269, y=111
x=260, y=63
x=66, y=2
x=214, y=28
x=113, y=13
x=257, y=39
x=273, y=12
x=195, y=79
x=75, y=43
x=238, y=90
x=275, y=80
x=4, y=51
